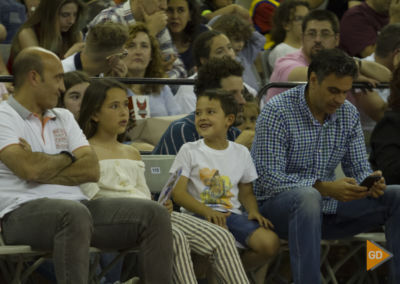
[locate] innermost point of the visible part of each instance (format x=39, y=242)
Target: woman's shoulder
x=27, y=37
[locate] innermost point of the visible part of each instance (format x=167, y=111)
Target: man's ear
x=337, y=39
x=33, y=77
x=313, y=80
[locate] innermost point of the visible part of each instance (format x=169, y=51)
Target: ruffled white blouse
x=119, y=178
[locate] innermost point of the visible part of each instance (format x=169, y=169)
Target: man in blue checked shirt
x=301, y=137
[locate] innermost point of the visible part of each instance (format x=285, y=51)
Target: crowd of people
x=251, y=168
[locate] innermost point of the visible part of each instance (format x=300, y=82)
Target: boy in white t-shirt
x=216, y=179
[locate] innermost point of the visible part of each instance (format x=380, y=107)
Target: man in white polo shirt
x=44, y=156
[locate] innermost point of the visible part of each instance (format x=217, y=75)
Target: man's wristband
x=70, y=155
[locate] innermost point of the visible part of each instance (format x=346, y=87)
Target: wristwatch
x=70, y=155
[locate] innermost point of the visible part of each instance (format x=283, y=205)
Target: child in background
x=249, y=116
x=217, y=177
x=76, y=83
x=246, y=42
x=103, y=118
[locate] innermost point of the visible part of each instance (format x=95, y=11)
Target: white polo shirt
x=58, y=132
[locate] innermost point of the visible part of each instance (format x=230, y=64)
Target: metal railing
x=356, y=85
x=162, y=81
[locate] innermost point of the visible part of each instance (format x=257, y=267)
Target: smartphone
x=370, y=180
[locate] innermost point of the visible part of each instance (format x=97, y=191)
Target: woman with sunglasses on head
x=144, y=61
x=55, y=25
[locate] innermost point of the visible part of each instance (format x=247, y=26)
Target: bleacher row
x=18, y=262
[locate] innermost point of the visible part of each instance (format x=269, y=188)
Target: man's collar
x=24, y=112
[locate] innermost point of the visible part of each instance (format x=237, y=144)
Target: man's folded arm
x=84, y=169
x=46, y=168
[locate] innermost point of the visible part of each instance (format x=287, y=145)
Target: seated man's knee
x=393, y=191
x=307, y=198
x=75, y=218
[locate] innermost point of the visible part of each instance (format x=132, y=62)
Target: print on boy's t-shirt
x=217, y=189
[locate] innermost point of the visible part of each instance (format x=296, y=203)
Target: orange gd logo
x=376, y=255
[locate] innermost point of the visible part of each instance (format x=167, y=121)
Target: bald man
x=44, y=157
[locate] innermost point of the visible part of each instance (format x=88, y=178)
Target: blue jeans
x=297, y=217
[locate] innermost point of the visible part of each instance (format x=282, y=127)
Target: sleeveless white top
x=119, y=178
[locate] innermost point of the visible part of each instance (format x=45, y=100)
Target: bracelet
x=70, y=155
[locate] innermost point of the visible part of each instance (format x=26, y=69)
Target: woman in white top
x=144, y=61
x=286, y=29
x=104, y=117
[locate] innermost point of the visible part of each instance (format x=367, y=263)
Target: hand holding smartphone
x=370, y=180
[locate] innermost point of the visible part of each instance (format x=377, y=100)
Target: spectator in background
x=286, y=30
x=320, y=31
x=248, y=119
x=360, y=25
x=153, y=14
x=184, y=24
x=65, y=17
x=76, y=83
x=208, y=45
x=387, y=47
x=385, y=138
x=103, y=52
x=213, y=8
x=144, y=61
x=12, y=16
x=223, y=73
x=387, y=53
x=246, y=42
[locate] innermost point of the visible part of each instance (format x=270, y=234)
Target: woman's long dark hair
x=44, y=22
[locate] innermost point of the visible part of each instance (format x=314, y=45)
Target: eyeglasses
x=323, y=35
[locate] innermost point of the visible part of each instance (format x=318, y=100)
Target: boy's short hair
x=233, y=27
x=210, y=74
x=226, y=98
x=106, y=37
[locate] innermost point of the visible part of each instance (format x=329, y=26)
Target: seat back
x=157, y=170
